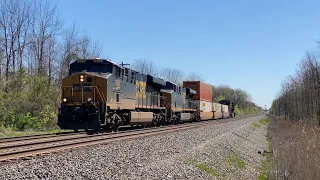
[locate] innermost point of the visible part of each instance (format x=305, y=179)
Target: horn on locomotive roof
x=122, y=64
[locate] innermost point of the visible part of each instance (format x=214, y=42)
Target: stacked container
x=217, y=110
x=225, y=111
x=202, y=99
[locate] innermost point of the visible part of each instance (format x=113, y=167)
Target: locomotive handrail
x=101, y=95
x=166, y=101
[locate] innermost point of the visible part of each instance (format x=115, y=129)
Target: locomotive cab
x=84, y=94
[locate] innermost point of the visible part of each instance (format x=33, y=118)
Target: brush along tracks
x=23, y=147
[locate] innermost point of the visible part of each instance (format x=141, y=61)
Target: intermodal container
x=225, y=108
x=206, y=115
x=203, y=106
x=216, y=107
x=204, y=91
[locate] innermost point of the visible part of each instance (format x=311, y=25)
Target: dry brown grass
x=296, y=150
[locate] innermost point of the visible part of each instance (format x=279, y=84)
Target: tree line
x=298, y=98
x=244, y=102
x=168, y=74
x=36, y=49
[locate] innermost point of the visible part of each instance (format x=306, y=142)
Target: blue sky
x=244, y=44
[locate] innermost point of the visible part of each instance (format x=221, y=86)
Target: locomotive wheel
x=115, y=128
x=96, y=130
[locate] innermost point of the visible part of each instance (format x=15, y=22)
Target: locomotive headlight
x=64, y=100
x=81, y=78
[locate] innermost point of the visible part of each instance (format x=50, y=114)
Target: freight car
x=203, y=98
x=228, y=108
x=99, y=93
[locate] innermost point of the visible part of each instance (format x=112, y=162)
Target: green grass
x=265, y=164
x=264, y=121
x=7, y=132
x=211, y=171
x=236, y=161
x=256, y=125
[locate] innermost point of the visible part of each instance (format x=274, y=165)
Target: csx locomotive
x=99, y=93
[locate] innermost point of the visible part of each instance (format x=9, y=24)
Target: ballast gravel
x=220, y=151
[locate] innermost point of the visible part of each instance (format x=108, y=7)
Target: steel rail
x=49, y=135
x=50, y=140
x=98, y=139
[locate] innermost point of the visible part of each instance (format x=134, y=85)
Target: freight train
x=99, y=93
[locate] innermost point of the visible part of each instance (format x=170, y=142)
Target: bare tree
x=6, y=27
x=145, y=67
x=51, y=54
x=45, y=26
x=1, y=57
x=74, y=47
x=193, y=76
x=25, y=12
x=87, y=48
x=95, y=48
x=30, y=38
x=15, y=18
x=298, y=98
x=172, y=75
x=68, y=50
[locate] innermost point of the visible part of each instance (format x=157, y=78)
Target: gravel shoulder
x=220, y=151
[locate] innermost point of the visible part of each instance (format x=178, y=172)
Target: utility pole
x=265, y=109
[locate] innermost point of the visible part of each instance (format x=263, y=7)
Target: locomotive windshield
x=98, y=66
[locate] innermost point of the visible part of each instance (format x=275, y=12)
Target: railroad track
x=41, y=136
x=26, y=147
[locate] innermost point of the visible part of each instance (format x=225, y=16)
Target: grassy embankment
x=266, y=163
x=7, y=132
x=235, y=163
x=296, y=150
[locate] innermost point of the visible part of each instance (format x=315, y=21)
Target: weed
x=265, y=164
x=256, y=125
x=264, y=121
x=235, y=161
x=296, y=152
x=211, y=171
